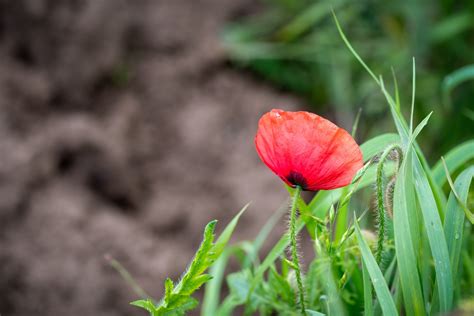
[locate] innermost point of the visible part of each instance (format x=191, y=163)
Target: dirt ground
x=123, y=130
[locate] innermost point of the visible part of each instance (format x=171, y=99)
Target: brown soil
x=123, y=130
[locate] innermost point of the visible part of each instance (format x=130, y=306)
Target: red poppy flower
x=305, y=149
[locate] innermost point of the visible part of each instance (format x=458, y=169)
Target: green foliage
x=419, y=263
x=294, y=44
x=177, y=299
x=426, y=263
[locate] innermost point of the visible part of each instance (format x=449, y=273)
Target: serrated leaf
x=281, y=286
x=289, y=263
x=239, y=285
x=169, y=286
x=145, y=304
x=177, y=299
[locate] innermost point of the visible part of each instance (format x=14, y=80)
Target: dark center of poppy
x=297, y=178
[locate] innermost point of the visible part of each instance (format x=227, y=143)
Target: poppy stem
x=294, y=246
x=382, y=201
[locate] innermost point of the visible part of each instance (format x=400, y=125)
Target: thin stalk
x=294, y=247
x=381, y=201
x=127, y=277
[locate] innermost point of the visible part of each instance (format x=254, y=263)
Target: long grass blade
x=454, y=79
x=413, y=89
x=436, y=238
x=455, y=159
x=377, y=144
x=405, y=239
x=378, y=281
x=368, y=306
x=454, y=221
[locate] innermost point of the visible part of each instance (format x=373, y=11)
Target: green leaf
x=239, y=285
x=177, y=299
x=307, y=19
x=405, y=239
x=213, y=288
x=169, y=286
x=454, y=79
x=227, y=233
x=376, y=276
x=377, y=144
x=454, y=221
x=455, y=159
x=310, y=312
x=436, y=238
x=145, y=304
x=368, y=307
x=281, y=286
x=327, y=279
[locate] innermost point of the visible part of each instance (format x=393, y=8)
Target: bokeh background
x=127, y=125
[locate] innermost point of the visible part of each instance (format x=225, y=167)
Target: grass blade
x=405, y=239
x=380, y=286
x=455, y=159
x=377, y=144
x=413, y=89
x=227, y=232
x=212, y=291
x=368, y=307
x=455, y=79
x=436, y=238
x=454, y=221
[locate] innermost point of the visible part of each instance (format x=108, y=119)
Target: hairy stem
x=381, y=206
x=294, y=247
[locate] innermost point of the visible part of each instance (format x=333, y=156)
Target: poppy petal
x=305, y=149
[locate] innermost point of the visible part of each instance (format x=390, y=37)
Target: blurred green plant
x=294, y=44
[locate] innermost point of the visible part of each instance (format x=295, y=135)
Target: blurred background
x=127, y=125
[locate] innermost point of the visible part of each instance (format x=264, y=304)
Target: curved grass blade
x=454, y=221
x=378, y=281
x=224, y=237
x=455, y=159
x=377, y=144
x=127, y=277
x=454, y=79
x=307, y=19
